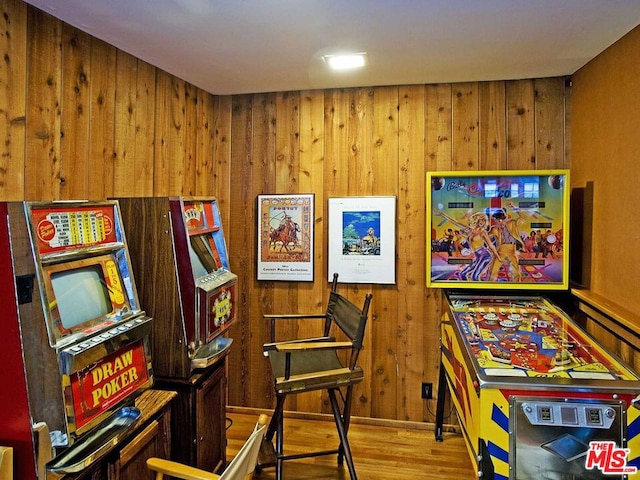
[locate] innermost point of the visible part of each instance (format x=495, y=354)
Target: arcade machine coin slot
x=555, y=435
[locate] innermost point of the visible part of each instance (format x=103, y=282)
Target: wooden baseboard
x=376, y=422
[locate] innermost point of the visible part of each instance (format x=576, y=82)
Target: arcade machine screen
x=83, y=294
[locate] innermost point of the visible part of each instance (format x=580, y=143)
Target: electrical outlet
x=427, y=390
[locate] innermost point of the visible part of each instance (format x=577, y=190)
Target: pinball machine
x=78, y=336
x=535, y=395
x=180, y=243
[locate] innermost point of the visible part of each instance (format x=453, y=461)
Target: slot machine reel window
x=84, y=296
x=207, y=246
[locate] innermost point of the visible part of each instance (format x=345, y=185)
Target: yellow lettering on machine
x=115, y=290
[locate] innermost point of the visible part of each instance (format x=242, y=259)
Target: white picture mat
x=357, y=260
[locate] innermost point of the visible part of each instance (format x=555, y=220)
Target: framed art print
x=285, y=237
x=362, y=237
x=498, y=229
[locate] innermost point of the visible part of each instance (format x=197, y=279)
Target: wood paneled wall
x=374, y=141
x=605, y=137
x=81, y=119
x=606, y=145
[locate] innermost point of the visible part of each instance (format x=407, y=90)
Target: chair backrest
x=240, y=468
x=6, y=463
x=245, y=461
x=348, y=317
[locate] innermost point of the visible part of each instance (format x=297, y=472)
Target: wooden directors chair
x=316, y=364
x=240, y=468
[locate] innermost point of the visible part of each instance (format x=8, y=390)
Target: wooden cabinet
x=198, y=435
x=130, y=464
x=151, y=437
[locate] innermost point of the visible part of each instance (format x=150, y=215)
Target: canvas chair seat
x=311, y=370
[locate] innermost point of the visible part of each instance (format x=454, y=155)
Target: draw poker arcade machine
x=535, y=395
x=81, y=340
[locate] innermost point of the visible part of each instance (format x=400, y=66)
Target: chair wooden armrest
x=294, y=316
x=241, y=467
x=267, y=347
x=304, y=346
x=178, y=470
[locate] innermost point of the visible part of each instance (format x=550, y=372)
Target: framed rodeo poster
x=285, y=237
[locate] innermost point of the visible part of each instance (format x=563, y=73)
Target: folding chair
x=315, y=364
x=240, y=468
x=6, y=463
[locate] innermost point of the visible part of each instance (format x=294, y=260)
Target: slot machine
x=180, y=243
x=535, y=395
x=83, y=340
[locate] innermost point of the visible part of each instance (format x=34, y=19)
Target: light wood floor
x=395, y=451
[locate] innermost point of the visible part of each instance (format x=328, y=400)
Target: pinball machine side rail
x=613, y=317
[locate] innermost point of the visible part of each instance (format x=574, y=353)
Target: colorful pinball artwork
x=498, y=229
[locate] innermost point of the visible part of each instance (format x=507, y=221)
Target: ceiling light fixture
x=346, y=61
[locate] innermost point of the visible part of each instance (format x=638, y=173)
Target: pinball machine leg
x=442, y=390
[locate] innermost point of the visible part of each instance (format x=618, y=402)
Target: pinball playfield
x=529, y=337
